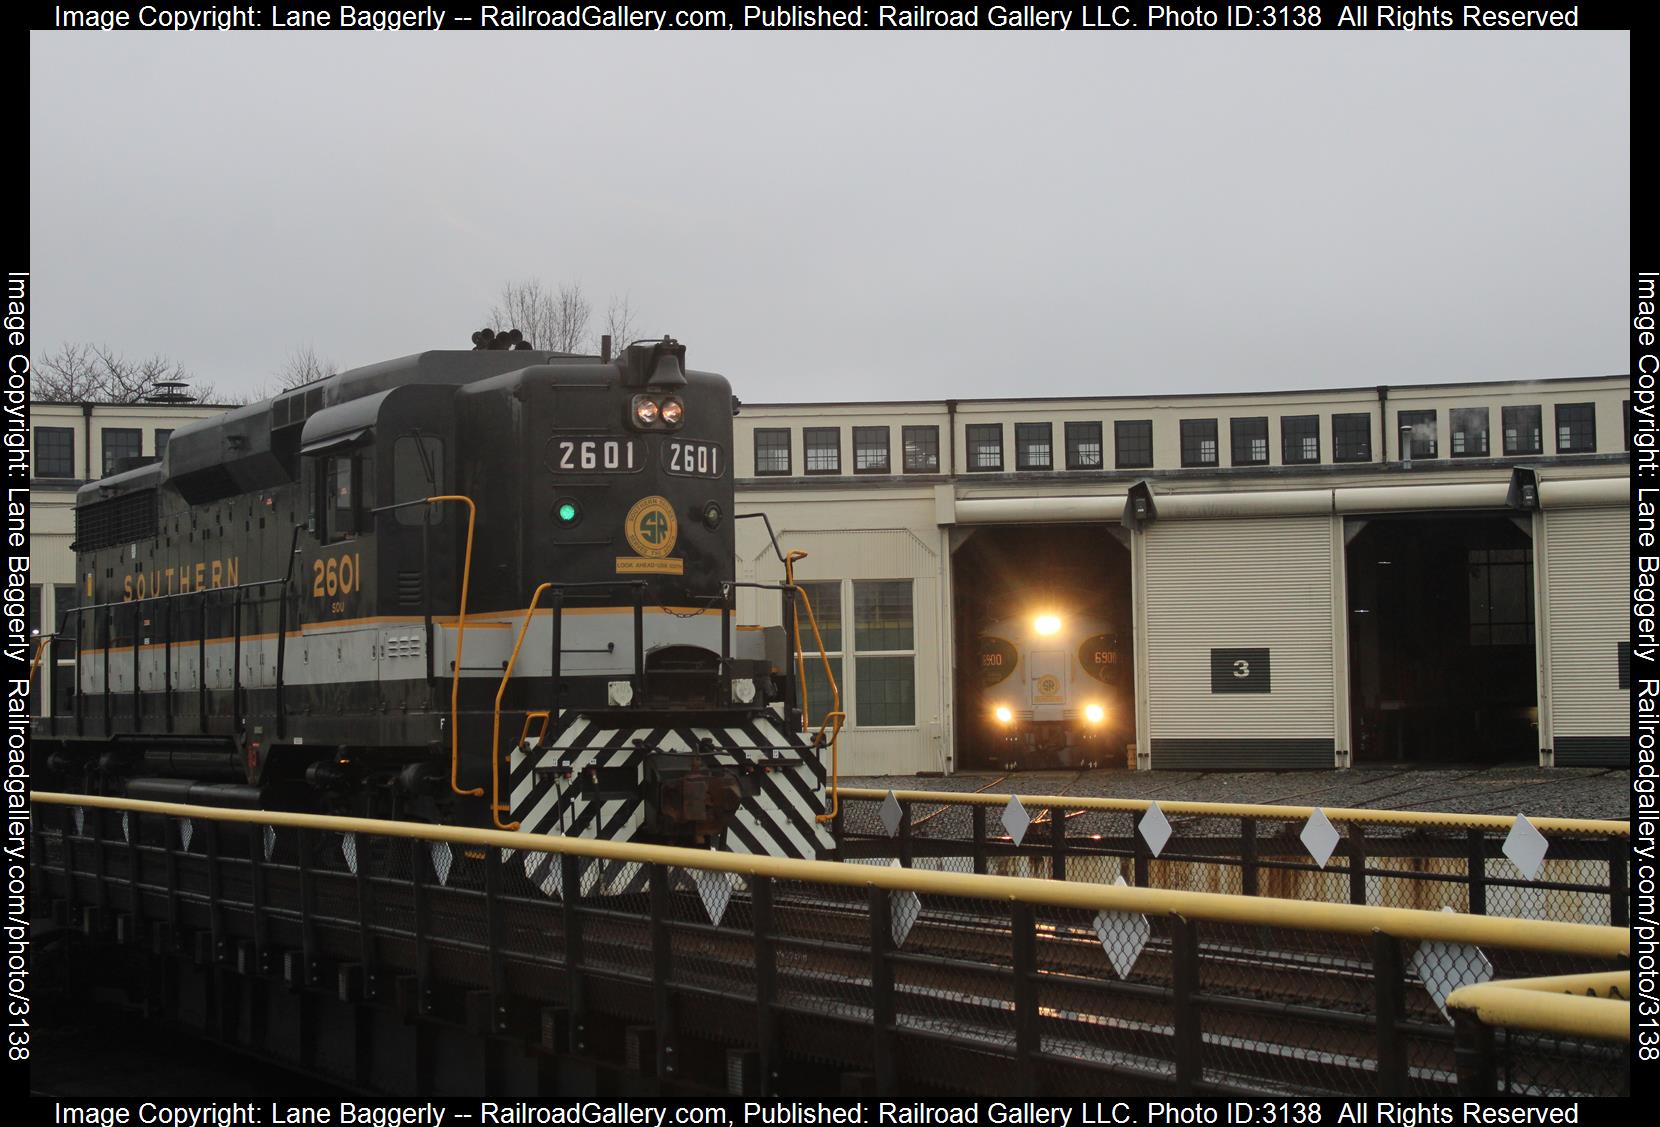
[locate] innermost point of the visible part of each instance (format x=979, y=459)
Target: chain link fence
x=1564, y=871
x=830, y=978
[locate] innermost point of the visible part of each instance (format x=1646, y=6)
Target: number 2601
x=338, y=576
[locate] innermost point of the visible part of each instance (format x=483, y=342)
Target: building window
x=163, y=437
x=884, y=654
x=870, y=450
x=1250, y=441
x=1299, y=439
x=54, y=452
x=1423, y=427
x=1501, y=597
x=1034, y=446
x=1351, y=438
x=1576, y=428
x=64, y=600
x=1469, y=432
x=1198, y=442
x=119, y=443
x=985, y=447
x=1132, y=441
x=1521, y=430
x=822, y=449
x=825, y=598
x=922, y=449
x=772, y=451
x=1083, y=446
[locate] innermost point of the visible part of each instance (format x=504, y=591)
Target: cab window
x=417, y=472
x=345, y=496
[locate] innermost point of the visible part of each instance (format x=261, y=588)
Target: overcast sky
x=824, y=216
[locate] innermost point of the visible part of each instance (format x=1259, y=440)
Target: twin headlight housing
x=656, y=412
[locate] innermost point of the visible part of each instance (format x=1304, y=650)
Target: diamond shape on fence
x=1444, y=967
x=270, y=841
x=1123, y=936
x=1154, y=828
x=904, y=907
x=715, y=890
x=443, y=859
x=79, y=816
x=1526, y=847
x=126, y=827
x=1319, y=837
x=187, y=830
x=891, y=813
x=1016, y=820
x=348, y=847
x=507, y=855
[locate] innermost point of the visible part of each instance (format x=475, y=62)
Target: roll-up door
x=1587, y=568
x=1240, y=643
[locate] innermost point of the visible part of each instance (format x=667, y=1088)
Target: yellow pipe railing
x=1406, y=818
x=1595, y=1006
x=40, y=652
x=496, y=806
x=1586, y=940
x=835, y=716
x=460, y=636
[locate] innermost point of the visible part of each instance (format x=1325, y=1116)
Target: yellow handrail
x=40, y=652
x=1586, y=940
x=1577, y=1005
x=460, y=637
x=1418, y=818
x=835, y=714
x=496, y=806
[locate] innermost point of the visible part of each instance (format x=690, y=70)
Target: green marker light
x=567, y=512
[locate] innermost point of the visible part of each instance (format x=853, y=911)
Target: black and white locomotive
x=492, y=587
x=1054, y=691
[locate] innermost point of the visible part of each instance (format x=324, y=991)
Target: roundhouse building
x=1406, y=574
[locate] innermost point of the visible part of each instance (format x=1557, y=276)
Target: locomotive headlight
x=646, y=411
x=1048, y=624
x=1094, y=713
x=743, y=690
x=673, y=411
x=1004, y=714
x=619, y=694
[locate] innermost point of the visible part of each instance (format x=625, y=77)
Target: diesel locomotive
x=1053, y=691
x=492, y=587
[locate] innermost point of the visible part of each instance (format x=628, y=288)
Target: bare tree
x=619, y=324
x=556, y=320
x=303, y=366
x=88, y=373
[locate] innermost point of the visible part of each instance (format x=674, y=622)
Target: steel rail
x=1408, y=818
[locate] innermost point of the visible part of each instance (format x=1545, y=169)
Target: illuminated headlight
x=620, y=694
x=673, y=411
x=645, y=410
x=1094, y=713
x=1048, y=624
x=743, y=690
x=1004, y=714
